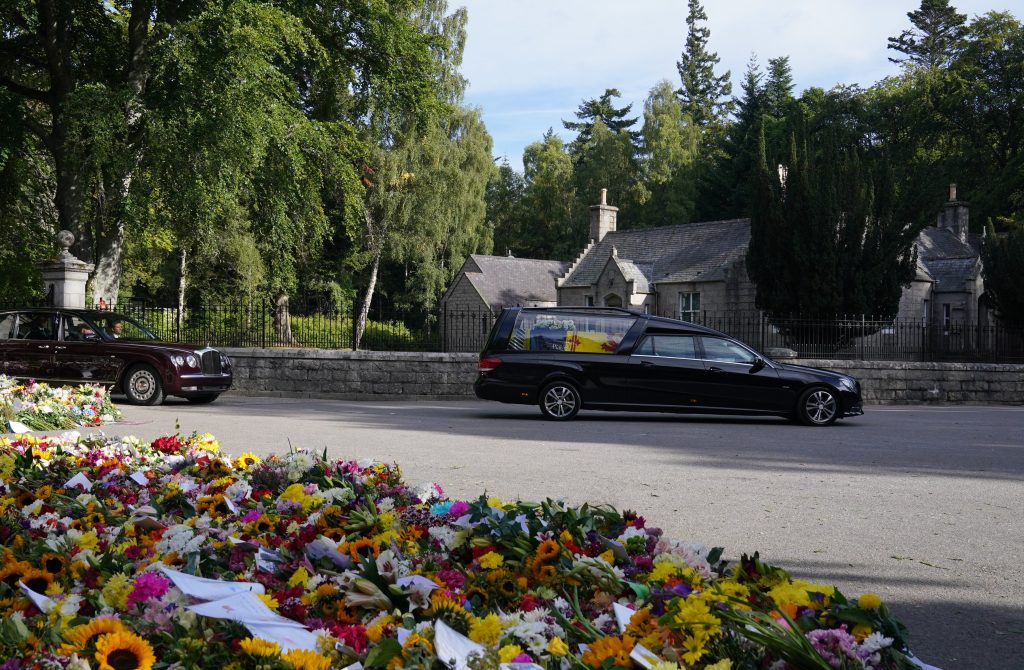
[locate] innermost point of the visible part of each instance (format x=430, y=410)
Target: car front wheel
x=560, y=401
x=142, y=386
x=817, y=406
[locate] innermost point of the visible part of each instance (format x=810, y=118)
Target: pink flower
x=148, y=585
x=458, y=509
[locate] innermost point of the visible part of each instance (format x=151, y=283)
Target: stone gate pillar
x=64, y=277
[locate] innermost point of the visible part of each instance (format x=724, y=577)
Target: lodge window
x=689, y=306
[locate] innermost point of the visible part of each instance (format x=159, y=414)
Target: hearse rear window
x=569, y=331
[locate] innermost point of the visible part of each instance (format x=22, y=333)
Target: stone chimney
x=602, y=218
x=954, y=215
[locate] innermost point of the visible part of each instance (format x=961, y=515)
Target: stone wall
x=898, y=383
x=319, y=373
x=346, y=375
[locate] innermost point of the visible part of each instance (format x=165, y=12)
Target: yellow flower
x=303, y=659
x=88, y=540
x=869, y=601
x=608, y=557
x=256, y=647
x=486, y=631
x=299, y=577
x=615, y=648
x=124, y=651
x=724, y=664
x=79, y=637
x=247, y=460
x=115, y=591
x=557, y=648
x=496, y=502
x=491, y=560
x=509, y=652
x=666, y=665
x=861, y=631
x=269, y=600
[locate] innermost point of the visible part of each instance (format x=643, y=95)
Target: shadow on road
x=979, y=443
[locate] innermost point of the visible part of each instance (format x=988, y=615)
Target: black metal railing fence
x=324, y=324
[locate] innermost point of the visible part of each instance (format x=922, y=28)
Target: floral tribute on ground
x=119, y=554
x=35, y=406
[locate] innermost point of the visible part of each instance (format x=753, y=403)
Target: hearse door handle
x=646, y=364
x=715, y=369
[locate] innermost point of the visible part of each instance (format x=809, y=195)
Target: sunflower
x=255, y=647
x=353, y=549
x=214, y=505
x=79, y=637
x=449, y=611
x=548, y=550
x=124, y=651
x=263, y=525
x=12, y=572
x=303, y=659
x=37, y=580
x=505, y=582
x=246, y=461
x=53, y=563
x=615, y=648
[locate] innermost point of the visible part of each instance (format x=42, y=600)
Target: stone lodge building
x=697, y=270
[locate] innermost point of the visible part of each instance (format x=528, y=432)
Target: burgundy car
x=77, y=346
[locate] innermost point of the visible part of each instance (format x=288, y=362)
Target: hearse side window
x=726, y=351
x=670, y=346
x=578, y=332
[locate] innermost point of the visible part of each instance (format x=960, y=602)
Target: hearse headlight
x=847, y=384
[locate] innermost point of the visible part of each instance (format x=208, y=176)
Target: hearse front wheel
x=560, y=401
x=817, y=406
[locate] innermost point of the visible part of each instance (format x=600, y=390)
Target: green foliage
x=823, y=237
x=1003, y=256
x=704, y=94
x=934, y=38
x=670, y=141
x=506, y=211
x=550, y=196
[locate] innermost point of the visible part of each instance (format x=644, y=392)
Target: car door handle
x=59, y=348
x=715, y=369
x=42, y=346
x=646, y=364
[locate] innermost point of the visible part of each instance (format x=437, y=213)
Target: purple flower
x=458, y=509
x=252, y=515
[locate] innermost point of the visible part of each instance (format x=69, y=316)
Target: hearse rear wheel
x=560, y=401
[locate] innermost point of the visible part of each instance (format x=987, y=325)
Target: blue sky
x=530, y=63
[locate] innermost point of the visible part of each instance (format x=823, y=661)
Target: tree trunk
x=364, y=311
x=282, y=321
x=182, y=284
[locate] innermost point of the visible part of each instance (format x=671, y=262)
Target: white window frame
x=687, y=310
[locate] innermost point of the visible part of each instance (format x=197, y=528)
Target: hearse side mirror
x=757, y=365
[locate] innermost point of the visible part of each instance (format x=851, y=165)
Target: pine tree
x=703, y=93
x=601, y=110
x=932, y=42
x=778, y=89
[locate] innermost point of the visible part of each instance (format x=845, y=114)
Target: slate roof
x=506, y=281
x=951, y=262
x=681, y=253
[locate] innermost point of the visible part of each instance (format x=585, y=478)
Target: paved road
x=922, y=505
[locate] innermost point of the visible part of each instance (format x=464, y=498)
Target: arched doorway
x=612, y=300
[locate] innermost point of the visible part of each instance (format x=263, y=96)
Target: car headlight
x=178, y=360
x=847, y=384
x=192, y=361
x=225, y=362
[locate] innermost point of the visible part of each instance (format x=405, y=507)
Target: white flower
x=875, y=642
x=632, y=532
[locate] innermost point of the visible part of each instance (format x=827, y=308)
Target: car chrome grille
x=211, y=363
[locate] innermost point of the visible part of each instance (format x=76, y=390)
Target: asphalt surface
x=921, y=505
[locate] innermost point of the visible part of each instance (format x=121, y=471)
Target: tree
x=506, y=211
x=550, y=197
x=605, y=154
x=778, y=89
x=600, y=110
x=935, y=37
x=1003, y=258
x=823, y=237
x=703, y=93
x=670, y=155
